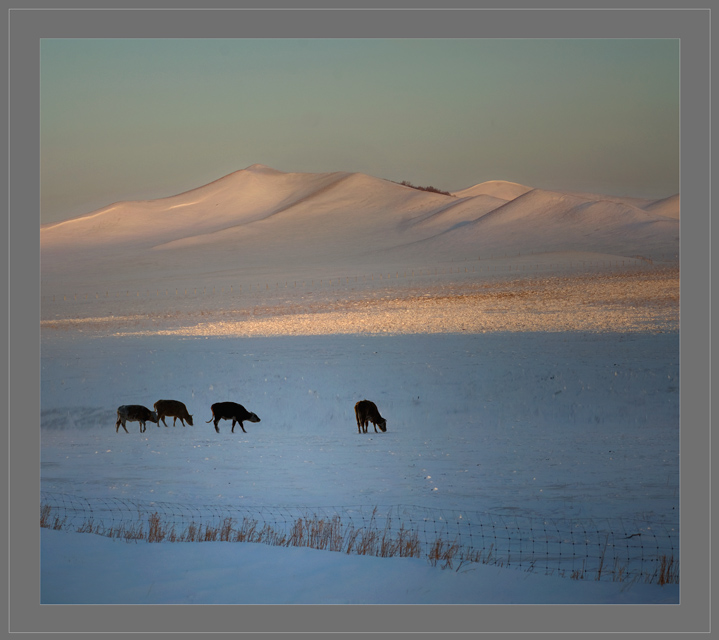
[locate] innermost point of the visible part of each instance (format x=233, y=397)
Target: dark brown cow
x=231, y=411
x=134, y=413
x=172, y=409
x=365, y=412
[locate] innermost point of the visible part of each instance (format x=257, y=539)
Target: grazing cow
x=231, y=411
x=365, y=412
x=172, y=409
x=134, y=413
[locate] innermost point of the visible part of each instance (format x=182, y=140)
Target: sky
x=133, y=119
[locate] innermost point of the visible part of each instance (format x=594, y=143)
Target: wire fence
x=594, y=548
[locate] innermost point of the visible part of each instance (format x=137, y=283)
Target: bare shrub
x=45, y=516
x=408, y=543
x=578, y=574
x=190, y=533
x=668, y=572
x=407, y=183
x=134, y=532
x=601, y=558
x=442, y=551
x=45, y=519
x=351, y=540
x=155, y=532
x=246, y=532
x=226, y=529
x=88, y=527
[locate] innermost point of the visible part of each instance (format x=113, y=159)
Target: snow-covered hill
x=541, y=221
x=263, y=220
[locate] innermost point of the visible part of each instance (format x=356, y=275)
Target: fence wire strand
x=618, y=549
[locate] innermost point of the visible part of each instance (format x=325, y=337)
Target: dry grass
x=443, y=553
x=47, y=522
x=668, y=572
x=330, y=534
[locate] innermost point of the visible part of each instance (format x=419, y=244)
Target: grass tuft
x=331, y=534
x=668, y=572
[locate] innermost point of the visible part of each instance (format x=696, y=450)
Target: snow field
x=571, y=426
x=226, y=573
x=551, y=424
x=638, y=300
x=524, y=370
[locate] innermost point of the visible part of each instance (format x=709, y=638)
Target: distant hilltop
x=260, y=216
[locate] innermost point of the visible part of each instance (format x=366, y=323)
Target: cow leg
x=241, y=427
x=163, y=421
x=117, y=426
x=174, y=420
x=216, y=427
x=142, y=427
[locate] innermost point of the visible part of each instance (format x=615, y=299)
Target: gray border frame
x=27, y=26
